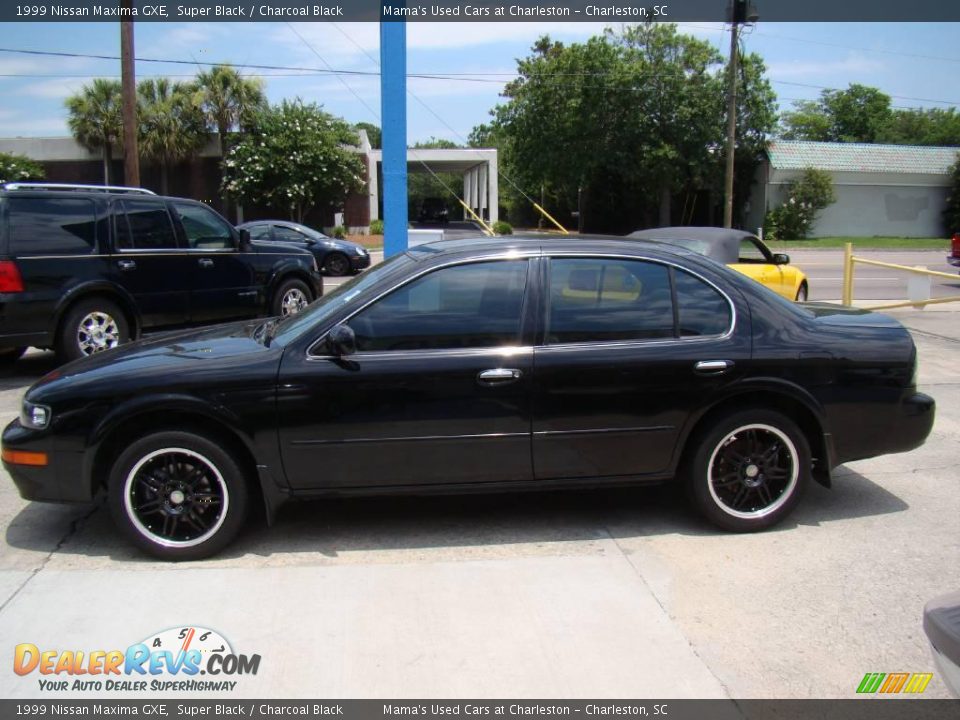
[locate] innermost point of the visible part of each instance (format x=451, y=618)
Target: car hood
x=167, y=360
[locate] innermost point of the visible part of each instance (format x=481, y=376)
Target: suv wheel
x=749, y=470
x=92, y=326
x=177, y=495
x=291, y=297
x=336, y=264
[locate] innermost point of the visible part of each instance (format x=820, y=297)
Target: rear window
x=51, y=226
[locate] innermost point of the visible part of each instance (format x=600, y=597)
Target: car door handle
x=205, y=262
x=712, y=367
x=499, y=376
x=126, y=264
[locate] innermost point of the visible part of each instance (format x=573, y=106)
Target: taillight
x=955, y=244
x=10, y=280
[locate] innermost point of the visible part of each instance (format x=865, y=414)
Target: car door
x=756, y=261
x=149, y=261
x=223, y=281
x=437, y=392
x=621, y=365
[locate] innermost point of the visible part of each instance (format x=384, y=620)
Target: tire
x=8, y=356
x=91, y=326
x=801, y=293
x=742, y=488
x=336, y=263
x=154, y=499
x=291, y=297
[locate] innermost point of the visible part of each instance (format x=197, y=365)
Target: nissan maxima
x=480, y=364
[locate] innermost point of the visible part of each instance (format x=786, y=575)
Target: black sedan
x=334, y=256
x=479, y=364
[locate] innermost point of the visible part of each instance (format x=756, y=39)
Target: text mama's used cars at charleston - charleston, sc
x=479, y=364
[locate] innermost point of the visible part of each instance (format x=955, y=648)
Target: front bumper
x=359, y=262
x=60, y=480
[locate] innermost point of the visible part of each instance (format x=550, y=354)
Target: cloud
x=54, y=88
x=853, y=63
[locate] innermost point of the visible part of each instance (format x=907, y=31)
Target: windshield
x=293, y=325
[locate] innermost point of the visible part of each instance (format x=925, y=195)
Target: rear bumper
x=60, y=480
x=885, y=429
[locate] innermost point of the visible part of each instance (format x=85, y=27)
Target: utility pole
x=738, y=15
x=131, y=155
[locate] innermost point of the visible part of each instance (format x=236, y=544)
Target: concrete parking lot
x=609, y=593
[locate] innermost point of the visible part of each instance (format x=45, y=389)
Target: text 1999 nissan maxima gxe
x=480, y=364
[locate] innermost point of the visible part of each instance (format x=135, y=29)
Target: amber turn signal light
x=22, y=457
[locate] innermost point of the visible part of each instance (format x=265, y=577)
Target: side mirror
x=341, y=341
x=244, y=245
x=781, y=259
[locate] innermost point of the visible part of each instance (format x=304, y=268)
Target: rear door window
x=144, y=225
x=51, y=226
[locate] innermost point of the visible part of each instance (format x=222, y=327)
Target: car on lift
x=84, y=269
x=473, y=365
x=334, y=256
x=742, y=251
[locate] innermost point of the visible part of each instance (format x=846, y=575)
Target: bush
x=19, y=168
x=339, y=232
x=376, y=227
x=806, y=196
x=502, y=228
x=951, y=214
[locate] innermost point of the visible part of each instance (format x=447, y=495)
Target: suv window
x=604, y=300
x=465, y=306
x=205, y=229
x=51, y=226
x=143, y=225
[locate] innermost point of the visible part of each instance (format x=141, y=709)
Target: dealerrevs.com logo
x=170, y=661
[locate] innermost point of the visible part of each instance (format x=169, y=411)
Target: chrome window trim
x=528, y=254
x=510, y=255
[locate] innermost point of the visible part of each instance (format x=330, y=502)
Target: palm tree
x=229, y=98
x=96, y=118
x=172, y=123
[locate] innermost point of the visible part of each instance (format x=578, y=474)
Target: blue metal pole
x=393, y=112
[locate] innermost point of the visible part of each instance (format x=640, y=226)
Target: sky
x=918, y=64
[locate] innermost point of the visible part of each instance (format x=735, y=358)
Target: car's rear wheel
x=291, y=297
x=748, y=469
x=178, y=496
x=92, y=326
x=336, y=264
x=802, y=293
x=11, y=355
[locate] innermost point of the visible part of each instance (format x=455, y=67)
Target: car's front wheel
x=177, y=495
x=92, y=326
x=336, y=264
x=748, y=469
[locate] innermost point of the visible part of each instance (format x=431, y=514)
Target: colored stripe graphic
x=918, y=682
x=894, y=682
x=891, y=683
x=870, y=682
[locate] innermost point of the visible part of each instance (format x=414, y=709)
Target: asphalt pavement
x=608, y=593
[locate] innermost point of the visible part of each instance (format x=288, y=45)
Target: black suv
x=86, y=268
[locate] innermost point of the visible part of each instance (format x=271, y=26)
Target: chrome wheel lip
x=97, y=331
x=781, y=499
x=145, y=531
x=293, y=301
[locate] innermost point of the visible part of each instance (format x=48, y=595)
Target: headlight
x=33, y=416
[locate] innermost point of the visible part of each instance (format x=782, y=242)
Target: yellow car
x=740, y=250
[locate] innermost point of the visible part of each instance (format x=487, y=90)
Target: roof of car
x=721, y=244
x=548, y=243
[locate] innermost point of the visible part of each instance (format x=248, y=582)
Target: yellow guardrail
x=550, y=217
x=486, y=228
x=849, y=260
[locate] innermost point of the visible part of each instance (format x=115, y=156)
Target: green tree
x=172, y=123
x=374, y=134
x=227, y=99
x=805, y=197
x=951, y=214
x=95, y=117
x=19, y=168
x=294, y=157
x=923, y=126
x=857, y=114
x=421, y=183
